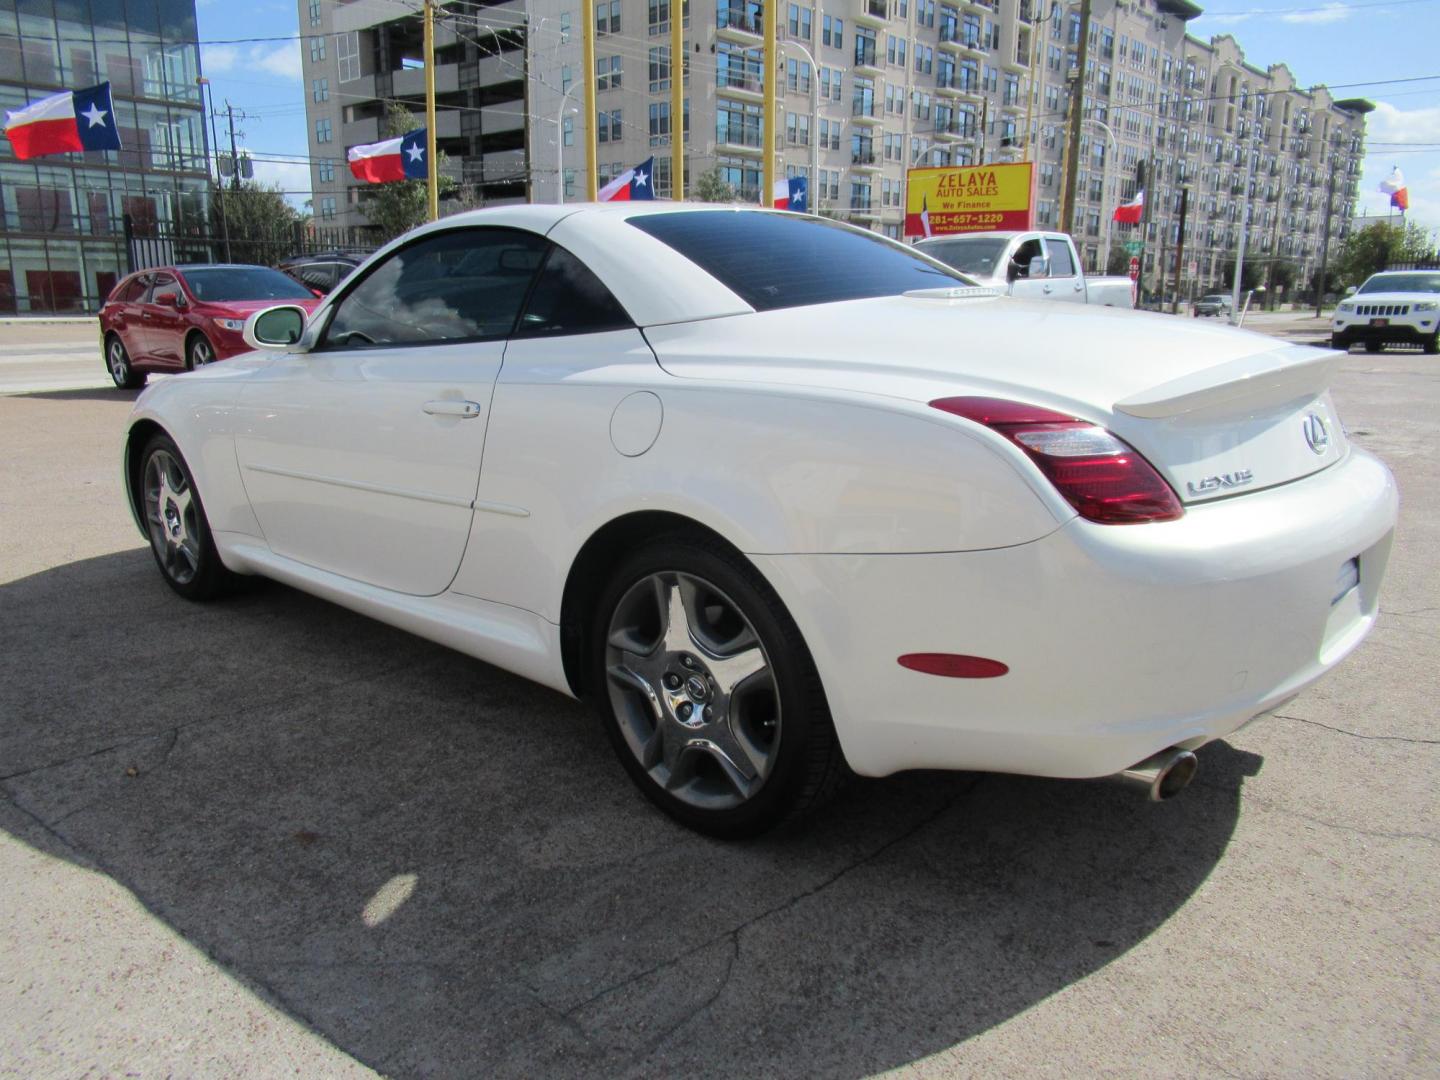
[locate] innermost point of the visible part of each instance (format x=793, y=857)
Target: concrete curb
x=50, y=320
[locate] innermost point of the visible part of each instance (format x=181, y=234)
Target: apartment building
x=359, y=55
x=869, y=88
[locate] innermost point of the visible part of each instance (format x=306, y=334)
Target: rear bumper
x=1121, y=640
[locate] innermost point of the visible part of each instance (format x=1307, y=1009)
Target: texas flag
x=69, y=122
x=792, y=194
x=636, y=183
x=1129, y=213
x=392, y=159
x=1394, y=186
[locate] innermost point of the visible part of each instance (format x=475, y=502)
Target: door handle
x=1079, y=285
x=1047, y=288
x=465, y=410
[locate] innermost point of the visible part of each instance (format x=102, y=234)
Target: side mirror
x=1349, y=290
x=1039, y=266
x=168, y=300
x=275, y=329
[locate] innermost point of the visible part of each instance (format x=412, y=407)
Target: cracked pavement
x=269, y=837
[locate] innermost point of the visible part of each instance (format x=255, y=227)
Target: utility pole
x=1325, y=242
x=1077, y=108
x=587, y=72
x=1253, y=153
x=677, y=99
x=980, y=137
x=234, y=153
x=432, y=174
x=1180, y=247
x=1145, y=183
x=771, y=14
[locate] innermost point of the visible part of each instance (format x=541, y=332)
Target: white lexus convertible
x=782, y=497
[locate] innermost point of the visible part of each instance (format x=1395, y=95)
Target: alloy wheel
x=201, y=353
x=693, y=690
x=171, y=517
x=118, y=362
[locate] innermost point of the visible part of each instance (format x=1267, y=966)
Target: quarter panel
x=778, y=469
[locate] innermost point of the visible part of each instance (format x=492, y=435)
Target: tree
x=260, y=224
x=1370, y=250
x=1119, y=261
x=711, y=187
x=401, y=205
x=1249, y=275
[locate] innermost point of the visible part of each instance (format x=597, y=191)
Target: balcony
x=873, y=12
x=865, y=159
x=863, y=207
x=740, y=82
x=864, y=112
x=741, y=19
x=866, y=54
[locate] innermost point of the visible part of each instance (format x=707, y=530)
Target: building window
x=607, y=17
x=323, y=133
x=607, y=73
x=317, y=48
x=569, y=183
x=564, y=28
x=314, y=12
x=327, y=207
x=565, y=79
x=608, y=128
x=832, y=32
x=801, y=24
x=320, y=89
x=659, y=68
x=567, y=129
x=347, y=48
x=737, y=124
x=326, y=172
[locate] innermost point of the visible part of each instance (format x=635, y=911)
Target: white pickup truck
x=1031, y=265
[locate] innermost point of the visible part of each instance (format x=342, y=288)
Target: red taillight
x=1101, y=476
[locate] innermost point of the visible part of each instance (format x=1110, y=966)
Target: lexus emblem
x=1317, y=433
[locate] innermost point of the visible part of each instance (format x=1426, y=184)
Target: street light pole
x=560, y=145
x=814, y=123
x=1104, y=175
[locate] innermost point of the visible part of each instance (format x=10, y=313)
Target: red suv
x=178, y=318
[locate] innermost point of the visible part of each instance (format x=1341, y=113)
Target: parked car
x=1212, y=304
x=781, y=496
x=1399, y=307
x=1029, y=265
x=321, y=273
x=179, y=318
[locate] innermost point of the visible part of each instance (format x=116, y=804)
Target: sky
x=1387, y=51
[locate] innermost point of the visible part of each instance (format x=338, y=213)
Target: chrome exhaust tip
x=1161, y=776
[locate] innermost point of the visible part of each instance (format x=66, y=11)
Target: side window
x=460, y=285
x=1061, y=265
x=134, y=291
x=316, y=275
x=165, y=285
x=569, y=299
x=1030, y=249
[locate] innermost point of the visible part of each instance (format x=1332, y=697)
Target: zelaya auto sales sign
x=968, y=198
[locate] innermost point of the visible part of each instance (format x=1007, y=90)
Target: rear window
x=244, y=283
x=778, y=261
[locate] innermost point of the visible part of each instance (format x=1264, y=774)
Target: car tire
x=1340, y=343
x=198, y=352
x=175, y=521
x=1432, y=344
x=117, y=362
x=723, y=723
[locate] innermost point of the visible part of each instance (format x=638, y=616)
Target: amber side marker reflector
x=953, y=665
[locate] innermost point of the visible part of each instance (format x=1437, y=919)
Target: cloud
x=1330, y=13
x=1390, y=124
x=1230, y=20
x=282, y=61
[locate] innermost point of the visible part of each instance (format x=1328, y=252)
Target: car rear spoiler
x=1262, y=379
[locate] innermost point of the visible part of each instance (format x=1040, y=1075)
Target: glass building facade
x=62, y=232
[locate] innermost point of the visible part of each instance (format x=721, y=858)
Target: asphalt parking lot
x=269, y=837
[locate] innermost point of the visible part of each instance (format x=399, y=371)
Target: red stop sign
x=1134, y=268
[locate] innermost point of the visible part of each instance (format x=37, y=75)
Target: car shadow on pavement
x=102, y=393
x=443, y=870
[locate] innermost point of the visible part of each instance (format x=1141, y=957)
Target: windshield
x=783, y=260
x=973, y=255
x=244, y=283
x=1403, y=283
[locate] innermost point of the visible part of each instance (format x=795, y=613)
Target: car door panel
x=362, y=457
x=163, y=328
x=1066, y=279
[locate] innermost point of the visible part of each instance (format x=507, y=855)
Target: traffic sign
x=1134, y=269
x=1132, y=247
